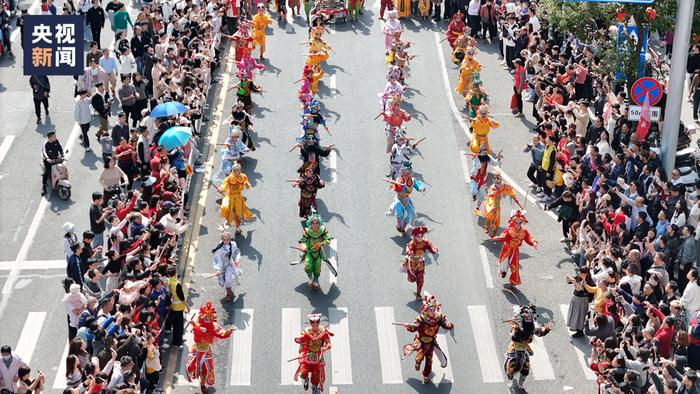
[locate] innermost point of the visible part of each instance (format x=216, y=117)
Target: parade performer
x=426, y=326
x=260, y=22
x=314, y=59
x=311, y=150
x=401, y=152
x=242, y=38
x=512, y=237
x=244, y=89
x=468, y=69
x=308, y=184
x=295, y=5
x=354, y=9
x=414, y=262
x=491, y=210
x=316, y=41
x=424, y=9
x=227, y=263
x=455, y=28
x=392, y=27
x=386, y=5
x=394, y=117
x=312, y=118
x=232, y=152
x=246, y=65
x=461, y=44
x=479, y=174
x=233, y=206
x=304, y=93
x=200, y=360
x=402, y=206
x=400, y=58
x=313, y=342
x=481, y=125
x=392, y=87
x=476, y=98
x=311, y=243
x=522, y=332
x=242, y=119
x=403, y=8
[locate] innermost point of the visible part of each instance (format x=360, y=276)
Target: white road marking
x=485, y=347
x=291, y=327
x=332, y=87
x=333, y=258
x=31, y=233
x=34, y=265
x=485, y=265
x=241, y=347
x=465, y=126
x=30, y=335
x=442, y=374
x=333, y=164
x=465, y=166
x=587, y=371
x=60, y=382
x=5, y=146
x=187, y=341
x=388, y=345
x=377, y=4
x=539, y=361
x=340, y=350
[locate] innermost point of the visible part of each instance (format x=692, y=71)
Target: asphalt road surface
x=369, y=293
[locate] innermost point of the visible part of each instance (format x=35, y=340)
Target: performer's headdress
x=399, y=136
x=238, y=105
x=313, y=216
x=235, y=167
x=497, y=175
x=236, y=131
x=394, y=73
x=243, y=24
x=207, y=311
x=517, y=215
x=471, y=51
x=406, y=166
x=314, y=105
x=393, y=14
x=527, y=313
x=261, y=6
x=484, y=110
x=420, y=230
x=430, y=302
x=314, y=317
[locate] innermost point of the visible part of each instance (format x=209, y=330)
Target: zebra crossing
x=339, y=359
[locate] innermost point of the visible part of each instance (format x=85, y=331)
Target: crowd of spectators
x=123, y=300
x=629, y=229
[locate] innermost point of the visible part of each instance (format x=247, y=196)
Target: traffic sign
x=647, y=86
x=635, y=112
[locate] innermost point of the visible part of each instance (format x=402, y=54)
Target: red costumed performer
x=455, y=28
x=512, y=237
x=243, y=39
x=200, y=361
x=313, y=341
x=414, y=262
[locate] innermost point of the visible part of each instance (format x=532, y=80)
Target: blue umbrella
x=168, y=108
x=175, y=137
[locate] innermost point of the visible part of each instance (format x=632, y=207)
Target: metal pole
x=676, y=83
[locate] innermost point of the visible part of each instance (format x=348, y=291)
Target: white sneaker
x=88, y=149
x=564, y=239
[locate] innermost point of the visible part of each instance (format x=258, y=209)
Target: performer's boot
x=315, y=284
x=306, y=383
x=311, y=281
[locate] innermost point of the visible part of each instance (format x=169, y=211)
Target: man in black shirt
x=95, y=17
x=51, y=151
x=97, y=219
x=40, y=89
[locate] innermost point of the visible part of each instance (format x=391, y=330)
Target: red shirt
x=126, y=159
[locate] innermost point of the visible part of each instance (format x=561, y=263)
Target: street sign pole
x=674, y=101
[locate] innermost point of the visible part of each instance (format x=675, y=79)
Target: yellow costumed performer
x=314, y=60
x=481, y=125
x=260, y=22
x=491, y=209
x=468, y=69
x=233, y=207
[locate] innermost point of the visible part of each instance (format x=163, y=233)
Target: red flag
x=644, y=119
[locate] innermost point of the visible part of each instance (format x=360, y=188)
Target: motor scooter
x=60, y=178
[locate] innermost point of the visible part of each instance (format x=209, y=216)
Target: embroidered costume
x=468, y=70
x=393, y=87
x=392, y=28
x=313, y=240
x=400, y=152
x=200, y=361
x=512, y=237
x=414, y=262
x=242, y=39
x=232, y=152
x=308, y=183
x=479, y=175
x=455, y=28
x=426, y=326
x=491, y=210
x=522, y=332
x=402, y=207
x=246, y=65
x=313, y=342
x=260, y=22
x=476, y=98
x=233, y=206
x=227, y=262
x=481, y=125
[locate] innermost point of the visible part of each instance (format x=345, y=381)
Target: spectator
x=9, y=368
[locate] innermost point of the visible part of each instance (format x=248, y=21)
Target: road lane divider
x=241, y=347
x=341, y=365
x=486, y=267
x=485, y=346
x=389, y=357
x=291, y=327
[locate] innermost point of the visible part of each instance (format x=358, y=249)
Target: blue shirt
x=661, y=227
x=109, y=64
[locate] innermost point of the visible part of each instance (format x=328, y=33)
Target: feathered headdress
x=394, y=73
x=420, y=230
x=207, y=311
x=313, y=216
x=429, y=301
